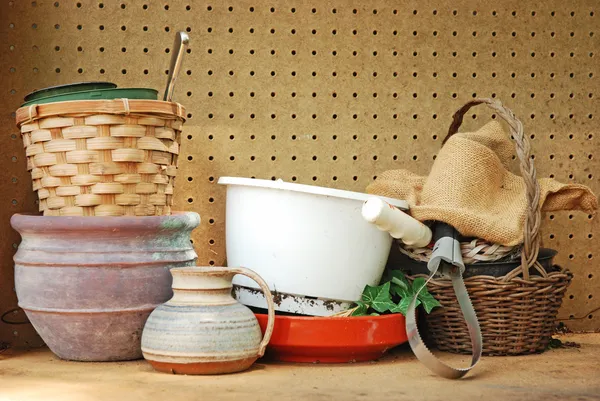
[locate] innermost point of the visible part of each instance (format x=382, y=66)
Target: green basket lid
x=69, y=88
x=99, y=94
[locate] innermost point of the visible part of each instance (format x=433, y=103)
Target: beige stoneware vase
x=202, y=329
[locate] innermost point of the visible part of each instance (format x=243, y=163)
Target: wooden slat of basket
x=152, y=121
x=108, y=210
x=37, y=173
x=40, y=135
x=61, y=158
x=26, y=140
x=161, y=158
x=25, y=128
x=85, y=179
x=34, y=149
x=105, y=119
x=56, y=122
x=107, y=188
x=128, y=199
x=158, y=199
x=129, y=131
x=108, y=198
x=50, y=181
x=176, y=125
x=116, y=106
x=82, y=156
x=159, y=179
x=145, y=210
x=130, y=178
x=172, y=147
x=148, y=168
x=145, y=188
x=71, y=211
x=63, y=170
x=171, y=171
x=79, y=131
x=150, y=143
x=55, y=202
x=60, y=145
x=88, y=200
x=68, y=190
x=164, y=133
x=44, y=159
x=128, y=155
x=104, y=143
x=106, y=168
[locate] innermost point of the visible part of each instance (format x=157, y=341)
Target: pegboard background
x=328, y=93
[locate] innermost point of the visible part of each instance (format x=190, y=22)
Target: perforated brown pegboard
x=325, y=93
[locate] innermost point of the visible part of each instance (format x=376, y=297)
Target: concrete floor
x=559, y=374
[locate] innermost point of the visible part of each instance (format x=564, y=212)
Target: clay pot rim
x=178, y=220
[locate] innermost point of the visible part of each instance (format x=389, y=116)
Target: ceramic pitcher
x=202, y=329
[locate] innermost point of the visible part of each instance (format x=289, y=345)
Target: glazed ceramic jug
x=202, y=329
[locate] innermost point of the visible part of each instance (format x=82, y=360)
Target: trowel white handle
x=399, y=224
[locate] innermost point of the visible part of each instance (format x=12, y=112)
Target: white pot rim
x=309, y=189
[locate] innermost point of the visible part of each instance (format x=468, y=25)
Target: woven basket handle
x=531, y=234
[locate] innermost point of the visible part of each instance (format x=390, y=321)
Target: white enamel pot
x=304, y=240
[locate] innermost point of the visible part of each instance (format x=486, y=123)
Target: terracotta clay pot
x=88, y=284
x=203, y=329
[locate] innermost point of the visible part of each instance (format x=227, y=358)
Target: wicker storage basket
x=102, y=157
x=516, y=312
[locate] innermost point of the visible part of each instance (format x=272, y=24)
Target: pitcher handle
x=271, y=307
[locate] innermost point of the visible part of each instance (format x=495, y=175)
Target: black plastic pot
x=399, y=261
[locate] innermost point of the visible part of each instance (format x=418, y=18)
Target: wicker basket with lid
x=517, y=312
x=103, y=157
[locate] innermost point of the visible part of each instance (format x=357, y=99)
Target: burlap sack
x=470, y=188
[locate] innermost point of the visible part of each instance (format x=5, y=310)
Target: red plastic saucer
x=333, y=339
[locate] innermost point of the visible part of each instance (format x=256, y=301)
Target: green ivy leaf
x=369, y=294
x=418, y=283
x=378, y=297
x=383, y=306
x=361, y=310
x=402, y=306
x=400, y=278
x=400, y=285
x=428, y=301
x=400, y=291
